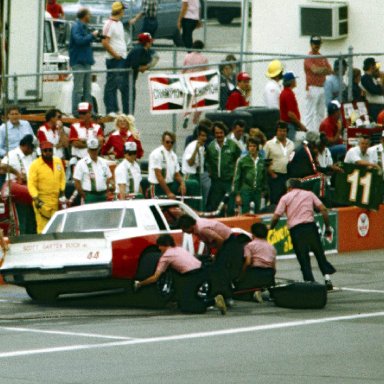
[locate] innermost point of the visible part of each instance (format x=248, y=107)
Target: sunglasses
x=47, y=150
x=169, y=142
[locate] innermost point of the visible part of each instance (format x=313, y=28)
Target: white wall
x=276, y=29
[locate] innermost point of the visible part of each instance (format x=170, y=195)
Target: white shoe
x=258, y=297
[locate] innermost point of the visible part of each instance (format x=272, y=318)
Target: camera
x=99, y=37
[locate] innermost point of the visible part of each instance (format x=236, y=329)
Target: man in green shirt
x=222, y=154
x=249, y=183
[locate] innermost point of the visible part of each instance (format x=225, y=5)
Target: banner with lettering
x=189, y=92
x=280, y=238
x=360, y=186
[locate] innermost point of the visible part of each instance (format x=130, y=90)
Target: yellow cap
x=274, y=68
x=117, y=6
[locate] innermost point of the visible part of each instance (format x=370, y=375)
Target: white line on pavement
x=197, y=335
x=64, y=333
x=362, y=290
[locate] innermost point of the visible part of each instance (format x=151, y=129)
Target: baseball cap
x=46, y=145
x=118, y=6
x=130, y=146
x=333, y=106
x=243, y=76
x=316, y=39
x=84, y=107
x=93, y=143
x=288, y=76
x=145, y=37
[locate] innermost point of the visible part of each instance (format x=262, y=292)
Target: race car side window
x=57, y=225
x=172, y=214
x=157, y=217
x=129, y=220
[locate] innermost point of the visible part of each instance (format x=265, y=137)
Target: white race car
x=98, y=247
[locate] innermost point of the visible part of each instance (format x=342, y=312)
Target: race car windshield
x=100, y=219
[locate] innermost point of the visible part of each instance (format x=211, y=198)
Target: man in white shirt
x=19, y=160
x=273, y=87
x=193, y=164
x=278, y=150
x=128, y=174
x=164, y=170
x=360, y=155
x=116, y=46
x=92, y=175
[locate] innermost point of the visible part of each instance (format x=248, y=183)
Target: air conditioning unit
x=327, y=19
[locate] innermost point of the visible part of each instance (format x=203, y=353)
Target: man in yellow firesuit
x=46, y=184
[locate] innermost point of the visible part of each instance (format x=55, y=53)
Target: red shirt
x=117, y=141
x=315, y=79
x=288, y=103
x=298, y=205
x=179, y=259
x=262, y=254
x=236, y=100
x=55, y=9
x=329, y=127
x=205, y=230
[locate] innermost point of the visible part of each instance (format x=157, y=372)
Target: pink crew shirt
x=298, y=206
x=179, y=259
x=205, y=230
x=262, y=254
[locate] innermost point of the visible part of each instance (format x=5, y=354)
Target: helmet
x=274, y=68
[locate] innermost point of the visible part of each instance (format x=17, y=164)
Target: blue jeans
x=338, y=152
x=116, y=81
x=82, y=84
x=150, y=25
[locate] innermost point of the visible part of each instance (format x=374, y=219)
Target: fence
x=150, y=126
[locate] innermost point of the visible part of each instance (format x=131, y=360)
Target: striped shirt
x=150, y=8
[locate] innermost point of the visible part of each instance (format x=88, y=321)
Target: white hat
x=93, y=143
x=84, y=107
x=130, y=146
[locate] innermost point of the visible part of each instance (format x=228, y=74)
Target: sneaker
x=112, y=114
x=220, y=304
x=258, y=297
x=329, y=285
x=185, y=122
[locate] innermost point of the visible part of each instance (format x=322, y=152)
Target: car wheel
x=224, y=18
x=42, y=293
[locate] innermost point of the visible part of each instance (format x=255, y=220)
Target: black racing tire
x=42, y=293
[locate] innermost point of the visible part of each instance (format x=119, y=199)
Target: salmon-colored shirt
x=318, y=60
x=298, y=206
x=179, y=259
x=205, y=229
x=262, y=254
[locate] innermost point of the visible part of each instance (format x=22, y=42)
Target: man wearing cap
x=372, y=83
x=332, y=128
x=273, y=87
x=164, y=170
x=46, y=184
x=299, y=205
x=316, y=69
x=116, y=47
x=83, y=130
x=53, y=132
x=278, y=150
x=334, y=86
x=20, y=160
x=128, y=174
x=81, y=58
x=289, y=108
x=240, y=95
x=140, y=58
x=92, y=175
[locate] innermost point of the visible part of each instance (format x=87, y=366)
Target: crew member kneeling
x=189, y=279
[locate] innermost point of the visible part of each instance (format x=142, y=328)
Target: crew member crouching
x=188, y=279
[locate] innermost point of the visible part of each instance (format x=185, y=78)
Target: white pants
x=315, y=108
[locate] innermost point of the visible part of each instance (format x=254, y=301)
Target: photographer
x=113, y=41
x=81, y=58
